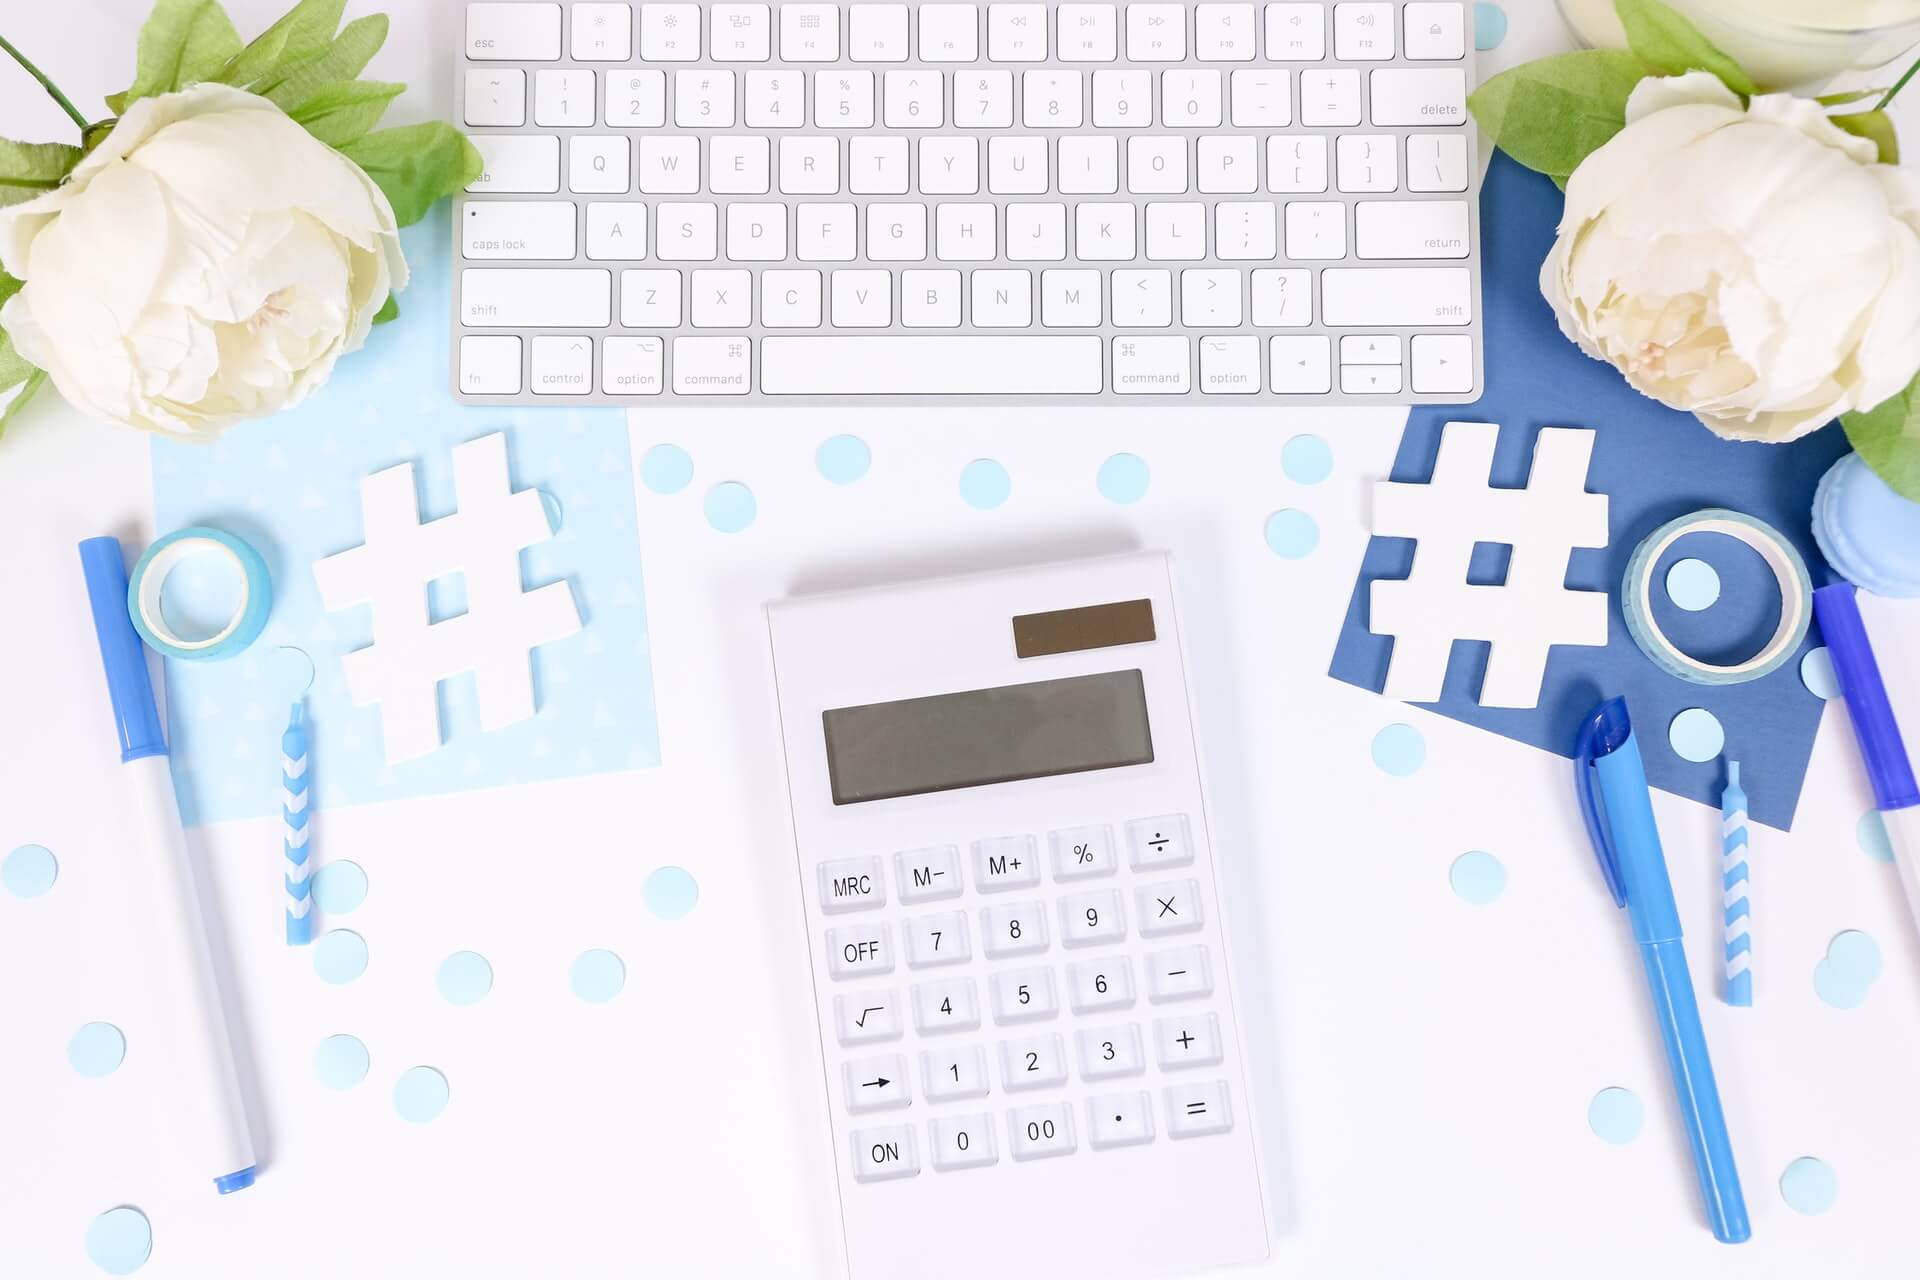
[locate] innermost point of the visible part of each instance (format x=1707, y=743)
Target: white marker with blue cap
x=176, y=925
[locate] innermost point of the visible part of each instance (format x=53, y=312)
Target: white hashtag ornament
x=411, y=654
x=1521, y=618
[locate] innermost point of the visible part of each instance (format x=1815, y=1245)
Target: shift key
x=536, y=298
x=1367, y=297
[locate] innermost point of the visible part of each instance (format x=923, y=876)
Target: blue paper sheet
x=290, y=486
x=1654, y=464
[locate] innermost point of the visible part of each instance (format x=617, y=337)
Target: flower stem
x=61, y=98
x=1898, y=85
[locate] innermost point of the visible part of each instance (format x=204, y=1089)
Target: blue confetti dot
x=120, y=1240
x=1292, y=535
x=1399, y=750
x=1306, y=460
x=339, y=887
x=340, y=1062
x=550, y=503
x=420, y=1094
x=97, y=1049
x=29, y=871
x=598, y=976
x=340, y=956
x=1873, y=837
x=1489, y=25
x=1693, y=585
x=1615, y=1114
x=1848, y=972
x=1123, y=478
x=843, y=459
x=666, y=468
x=1477, y=877
x=1696, y=735
x=465, y=977
x=671, y=893
x=1816, y=672
x=984, y=484
x=1809, y=1186
x=730, y=506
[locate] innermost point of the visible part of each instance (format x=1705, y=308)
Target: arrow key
x=1443, y=364
x=866, y=1016
x=876, y=1084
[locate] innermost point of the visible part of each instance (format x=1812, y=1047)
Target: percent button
x=1080, y=853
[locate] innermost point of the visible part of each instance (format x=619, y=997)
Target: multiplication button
x=849, y=884
x=1153, y=843
x=1168, y=906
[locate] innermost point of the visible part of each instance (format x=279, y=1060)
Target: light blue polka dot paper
x=1872, y=834
x=671, y=893
x=29, y=871
x=730, y=506
x=339, y=887
x=465, y=977
x=97, y=1049
x=340, y=1062
x=843, y=459
x=1816, y=672
x=666, y=469
x=1848, y=971
x=340, y=956
x=984, y=484
x=1696, y=735
x=1489, y=25
x=1306, y=460
x=1615, y=1115
x=1123, y=479
x=420, y=1095
x=291, y=485
x=1477, y=877
x=1399, y=750
x=1809, y=1186
x=598, y=976
x=1292, y=535
x=1694, y=585
x=120, y=1241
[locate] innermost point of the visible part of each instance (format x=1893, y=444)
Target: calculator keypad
x=1051, y=941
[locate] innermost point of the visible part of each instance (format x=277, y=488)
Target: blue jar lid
x=1867, y=532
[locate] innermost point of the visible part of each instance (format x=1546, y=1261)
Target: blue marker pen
x=1612, y=785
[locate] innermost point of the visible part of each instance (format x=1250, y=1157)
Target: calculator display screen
x=983, y=736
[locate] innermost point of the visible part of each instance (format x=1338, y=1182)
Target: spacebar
x=933, y=365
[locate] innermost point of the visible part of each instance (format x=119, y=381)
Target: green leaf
x=18, y=379
x=184, y=42
x=1888, y=440
x=302, y=33
x=1848, y=98
x=344, y=59
x=416, y=164
x=1876, y=127
x=1553, y=113
x=1673, y=46
x=389, y=310
x=343, y=112
x=28, y=169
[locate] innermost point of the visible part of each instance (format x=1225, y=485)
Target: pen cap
x=136, y=720
x=1888, y=767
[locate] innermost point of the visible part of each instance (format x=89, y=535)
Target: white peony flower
x=1755, y=266
x=206, y=263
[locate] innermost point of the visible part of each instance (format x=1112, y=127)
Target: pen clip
x=1585, y=752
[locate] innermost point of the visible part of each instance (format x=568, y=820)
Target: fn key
x=1197, y=1109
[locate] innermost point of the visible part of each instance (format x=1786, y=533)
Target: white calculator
x=1019, y=962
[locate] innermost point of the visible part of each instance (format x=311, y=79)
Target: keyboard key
x=1197, y=1109
x=1300, y=366
x=884, y=1153
x=1143, y=299
x=714, y=367
x=1152, y=366
x=1163, y=841
x=1017, y=33
x=949, y=32
x=1230, y=365
x=938, y=939
x=1156, y=165
x=736, y=166
x=740, y=32
x=1168, y=906
x=809, y=32
x=1187, y=1042
x=1070, y=298
x=1157, y=32
x=1017, y=166
x=670, y=32
x=927, y=364
x=1419, y=96
x=1224, y=33
x=1261, y=99
x=1042, y=1131
x=790, y=299
x=1210, y=299
x=1005, y=862
x=650, y=299
x=1081, y=852
x=1367, y=162
x=1410, y=229
x=1087, y=919
x=1176, y=232
x=1370, y=348
x=669, y=165
x=517, y=164
x=1376, y=380
x=1123, y=99
x=809, y=166
x=930, y=299
x=536, y=298
x=877, y=33
x=852, y=884
x=1036, y=1062
x=632, y=366
x=915, y=100
x=775, y=100
x=876, y=1084
x=927, y=875
x=1003, y=300
x=965, y=233
x=1283, y=298
x=868, y=1016
x=984, y=100
x=1110, y=1052
x=1103, y=232
x=563, y=99
x=1088, y=166
x=1105, y=983
x=703, y=99
x=1024, y=995
x=1244, y=230
x=1437, y=162
x=1363, y=32
x=951, y=167
x=1296, y=32
x=599, y=166
x=1442, y=364
x=721, y=299
x=1119, y=1120
x=1297, y=164
x=1088, y=32
x=1435, y=32
x=1179, y=973
x=636, y=99
x=1051, y=99
x=513, y=32
x=858, y=950
x=524, y=230
x=958, y=1073
x=688, y=233
x=602, y=32
x=1316, y=230
x=1014, y=930
x=496, y=97
x=877, y=166
x=1396, y=296
x=757, y=232
x=1190, y=99
x=824, y=233
x=946, y=1006
x=860, y=298
x=1329, y=98
x=1229, y=165
x=490, y=365
x=962, y=1142
x=843, y=100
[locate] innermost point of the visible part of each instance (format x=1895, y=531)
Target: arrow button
x=876, y=1084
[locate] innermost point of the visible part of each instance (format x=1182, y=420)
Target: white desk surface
x=1424, y=1066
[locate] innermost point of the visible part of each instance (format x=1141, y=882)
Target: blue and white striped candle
x=297, y=814
x=1734, y=879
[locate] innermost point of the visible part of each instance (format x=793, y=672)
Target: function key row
x=1363, y=31
x=1004, y=863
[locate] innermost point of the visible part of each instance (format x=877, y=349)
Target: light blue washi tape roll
x=1789, y=570
x=150, y=575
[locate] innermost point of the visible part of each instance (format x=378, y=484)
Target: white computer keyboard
x=968, y=202
x=1019, y=961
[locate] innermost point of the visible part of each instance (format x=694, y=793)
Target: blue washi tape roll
x=150, y=575
x=1789, y=570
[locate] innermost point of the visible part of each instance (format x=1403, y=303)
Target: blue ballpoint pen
x=1612, y=785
